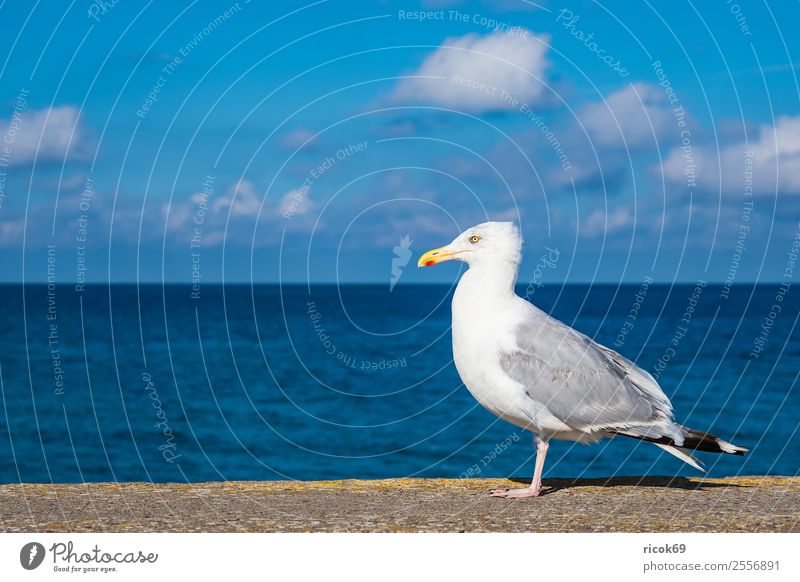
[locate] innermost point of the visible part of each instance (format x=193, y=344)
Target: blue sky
x=290, y=141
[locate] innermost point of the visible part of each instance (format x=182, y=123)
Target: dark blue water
x=148, y=383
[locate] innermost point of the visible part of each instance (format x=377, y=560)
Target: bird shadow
x=553, y=485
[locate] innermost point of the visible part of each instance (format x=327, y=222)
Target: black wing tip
x=696, y=441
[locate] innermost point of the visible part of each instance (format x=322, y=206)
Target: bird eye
x=474, y=238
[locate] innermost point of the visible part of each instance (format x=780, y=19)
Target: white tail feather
x=730, y=448
x=683, y=455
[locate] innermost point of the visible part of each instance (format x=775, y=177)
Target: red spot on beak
x=430, y=263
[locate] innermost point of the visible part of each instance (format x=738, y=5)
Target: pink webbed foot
x=516, y=493
x=535, y=487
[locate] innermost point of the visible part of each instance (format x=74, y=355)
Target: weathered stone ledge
x=627, y=504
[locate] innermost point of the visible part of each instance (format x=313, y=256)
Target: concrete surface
x=631, y=504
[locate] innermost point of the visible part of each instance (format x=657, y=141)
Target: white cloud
x=11, y=232
x=295, y=203
x=45, y=135
x=768, y=164
x=635, y=116
x=245, y=206
x=601, y=222
x=298, y=138
x=241, y=198
x=482, y=73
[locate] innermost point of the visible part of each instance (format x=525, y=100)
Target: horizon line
x=376, y=283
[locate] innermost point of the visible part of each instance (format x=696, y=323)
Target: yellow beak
x=435, y=256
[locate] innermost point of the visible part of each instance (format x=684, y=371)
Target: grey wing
x=585, y=385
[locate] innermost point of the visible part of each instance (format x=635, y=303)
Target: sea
x=174, y=383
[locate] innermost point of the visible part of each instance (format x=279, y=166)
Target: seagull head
x=488, y=244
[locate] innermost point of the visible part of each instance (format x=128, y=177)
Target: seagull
x=541, y=375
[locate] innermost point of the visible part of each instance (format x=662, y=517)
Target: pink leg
x=536, y=485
